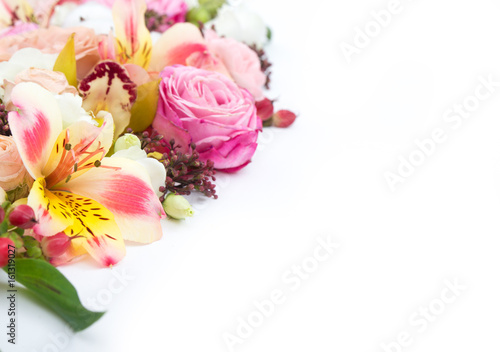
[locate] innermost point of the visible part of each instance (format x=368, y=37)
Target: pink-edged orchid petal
x=175, y=45
x=110, y=88
x=133, y=39
x=35, y=125
x=183, y=44
x=124, y=188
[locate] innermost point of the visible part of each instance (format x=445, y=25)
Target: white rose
x=240, y=23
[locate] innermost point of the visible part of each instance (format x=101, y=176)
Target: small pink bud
x=265, y=109
x=55, y=246
x=22, y=216
x=4, y=250
x=283, y=118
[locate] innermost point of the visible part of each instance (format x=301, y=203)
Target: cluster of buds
x=281, y=118
x=16, y=224
x=185, y=173
x=157, y=22
x=4, y=123
x=14, y=221
x=265, y=64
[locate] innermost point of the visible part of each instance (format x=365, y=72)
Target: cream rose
x=12, y=170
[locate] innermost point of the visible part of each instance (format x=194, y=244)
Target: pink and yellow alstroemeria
x=98, y=201
x=133, y=41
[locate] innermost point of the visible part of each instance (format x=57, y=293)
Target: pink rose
x=52, y=40
x=12, y=170
x=242, y=62
x=210, y=110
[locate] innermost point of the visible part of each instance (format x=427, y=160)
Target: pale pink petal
x=35, y=125
x=175, y=45
x=124, y=188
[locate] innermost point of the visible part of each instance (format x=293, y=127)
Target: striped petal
x=123, y=186
x=35, y=125
x=133, y=40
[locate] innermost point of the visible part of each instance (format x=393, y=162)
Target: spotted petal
x=35, y=125
x=110, y=88
x=133, y=40
x=123, y=186
x=52, y=213
x=96, y=228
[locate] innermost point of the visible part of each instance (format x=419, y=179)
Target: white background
x=323, y=177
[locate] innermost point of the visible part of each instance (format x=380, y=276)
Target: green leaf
x=51, y=287
x=66, y=61
x=144, y=109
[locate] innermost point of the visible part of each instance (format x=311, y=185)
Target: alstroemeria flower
x=77, y=191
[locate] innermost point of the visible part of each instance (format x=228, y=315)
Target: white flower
x=93, y=15
x=61, y=12
x=22, y=60
x=155, y=169
x=240, y=23
x=71, y=109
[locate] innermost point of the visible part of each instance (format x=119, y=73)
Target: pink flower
x=174, y=10
x=183, y=44
x=52, y=40
x=208, y=109
x=12, y=170
x=242, y=62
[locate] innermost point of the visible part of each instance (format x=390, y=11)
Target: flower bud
x=22, y=216
x=126, y=141
x=198, y=14
x=177, y=207
x=4, y=251
x=265, y=109
x=55, y=246
x=283, y=118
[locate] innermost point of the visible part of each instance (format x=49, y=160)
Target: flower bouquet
x=111, y=112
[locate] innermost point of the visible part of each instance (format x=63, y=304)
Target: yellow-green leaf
x=144, y=109
x=66, y=61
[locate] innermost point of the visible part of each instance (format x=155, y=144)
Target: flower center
x=75, y=159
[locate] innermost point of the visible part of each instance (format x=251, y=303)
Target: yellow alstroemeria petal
x=95, y=228
x=77, y=149
x=124, y=187
x=52, y=214
x=134, y=44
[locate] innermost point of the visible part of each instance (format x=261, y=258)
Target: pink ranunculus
x=52, y=40
x=242, y=62
x=210, y=110
x=12, y=170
